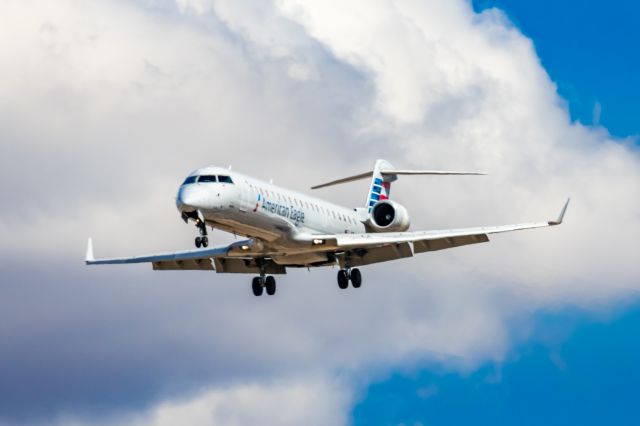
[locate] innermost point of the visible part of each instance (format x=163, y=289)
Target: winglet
x=559, y=220
x=89, y=258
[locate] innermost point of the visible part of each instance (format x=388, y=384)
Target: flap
x=184, y=265
x=247, y=266
x=450, y=242
x=377, y=254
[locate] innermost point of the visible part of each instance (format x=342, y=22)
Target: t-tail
x=382, y=175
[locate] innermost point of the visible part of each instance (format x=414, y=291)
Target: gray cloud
x=105, y=106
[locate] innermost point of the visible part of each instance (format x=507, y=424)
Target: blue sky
x=574, y=370
x=589, y=372
x=590, y=50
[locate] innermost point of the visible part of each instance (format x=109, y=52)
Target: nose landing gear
x=203, y=239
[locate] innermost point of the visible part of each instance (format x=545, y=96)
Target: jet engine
x=388, y=216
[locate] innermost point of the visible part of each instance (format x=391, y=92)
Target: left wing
x=364, y=249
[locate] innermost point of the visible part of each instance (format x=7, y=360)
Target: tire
x=356, y=278
x=343, y=279
x=270, y=284
x=256, y=286
x=198, y=242
x=205, y=241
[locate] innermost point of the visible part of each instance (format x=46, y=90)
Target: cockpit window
x=190, y=179
x=207, y=178
x=224, y=179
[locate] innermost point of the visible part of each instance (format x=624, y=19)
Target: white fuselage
x=250, y=207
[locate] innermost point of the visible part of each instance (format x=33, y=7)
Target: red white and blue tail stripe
x=380, y=184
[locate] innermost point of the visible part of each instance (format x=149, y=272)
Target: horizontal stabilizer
x=394, y=172
x=344, y=180
x=428, y=172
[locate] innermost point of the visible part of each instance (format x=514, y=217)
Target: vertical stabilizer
x=380, y=188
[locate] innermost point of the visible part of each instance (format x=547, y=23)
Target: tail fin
x=380, y=188
x=381, y=176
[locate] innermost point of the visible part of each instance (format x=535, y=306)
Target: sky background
x=105, y=106
x=588, y=49
x=576, y=367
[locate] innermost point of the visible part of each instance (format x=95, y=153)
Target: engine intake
x=388, y=216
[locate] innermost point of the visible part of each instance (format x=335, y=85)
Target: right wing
x=187, y=259
x=229, y=259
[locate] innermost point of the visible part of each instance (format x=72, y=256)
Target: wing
x=229, y=259
x=363, y=249
x=188, y=259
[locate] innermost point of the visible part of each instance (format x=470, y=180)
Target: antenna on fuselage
x=229, y=166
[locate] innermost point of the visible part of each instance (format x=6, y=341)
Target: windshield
x=207, y=178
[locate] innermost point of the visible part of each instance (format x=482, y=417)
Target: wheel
x=198, y=242
x=205, y=241
x=343, y=279
x=256, y=286
x=356, y=278
x=270, y=284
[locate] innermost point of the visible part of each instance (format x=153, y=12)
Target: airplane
x=289, y=229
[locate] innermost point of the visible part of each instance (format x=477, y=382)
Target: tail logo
x=379, y=192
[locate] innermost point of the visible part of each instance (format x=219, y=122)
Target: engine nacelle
x=388, y=216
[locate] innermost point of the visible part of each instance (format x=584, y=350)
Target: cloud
x=597, y=113
x=105, y=106
x=310, y=400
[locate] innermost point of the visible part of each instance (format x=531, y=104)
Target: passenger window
x=224, y=179
x=207, y=178
x=190, y=179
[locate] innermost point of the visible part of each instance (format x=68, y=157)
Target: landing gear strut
x=258, y=284
x=348, y=274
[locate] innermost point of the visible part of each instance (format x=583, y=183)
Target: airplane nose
x=189, y=198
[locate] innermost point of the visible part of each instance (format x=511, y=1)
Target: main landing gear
x=258, y=284
x=348, y=274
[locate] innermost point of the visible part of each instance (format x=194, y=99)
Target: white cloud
x=308, y=400
x=289, y=403
x=105, y=106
